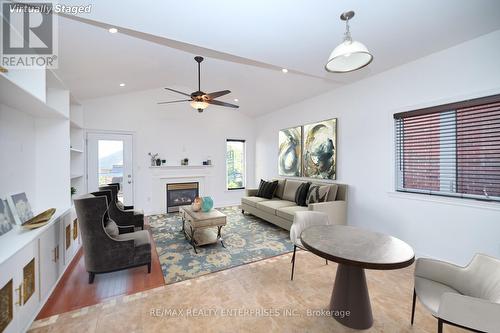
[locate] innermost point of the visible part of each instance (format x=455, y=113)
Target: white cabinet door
x=49, y=253
x=20, y=278
x=67, y=238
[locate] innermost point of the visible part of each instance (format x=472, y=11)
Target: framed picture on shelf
x=20, y=208
x=5, y=218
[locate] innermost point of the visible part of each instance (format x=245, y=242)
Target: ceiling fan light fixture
x=199, y=105
x=350, y=55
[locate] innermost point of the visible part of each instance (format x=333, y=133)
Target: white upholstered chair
x=467, y=297
x=301, y=221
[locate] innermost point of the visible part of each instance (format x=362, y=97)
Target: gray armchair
x=467, y=297
x=118, y=202
x=107, y=246
x=116, y=213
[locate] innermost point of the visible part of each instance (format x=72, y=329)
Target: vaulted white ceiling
x=247, y=42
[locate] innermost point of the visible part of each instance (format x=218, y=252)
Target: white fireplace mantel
x=161, y=176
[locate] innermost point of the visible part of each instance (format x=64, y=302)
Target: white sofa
x=281, y=208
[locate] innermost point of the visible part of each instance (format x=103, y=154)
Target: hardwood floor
x=73, y=290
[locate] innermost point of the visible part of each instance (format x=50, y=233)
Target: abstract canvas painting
x=320, y=150
x=5, y=220
x=290, y=152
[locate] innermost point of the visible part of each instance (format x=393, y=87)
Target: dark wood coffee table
x=355, y=249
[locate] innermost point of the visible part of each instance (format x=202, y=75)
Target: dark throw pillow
x=267, y=189
x=317, y=193
x=301, y=194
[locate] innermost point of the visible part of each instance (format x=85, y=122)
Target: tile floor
x=230, y=301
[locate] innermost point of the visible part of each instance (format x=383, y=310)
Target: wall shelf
x=18, y=98
x=76, y=176
x=74, y=150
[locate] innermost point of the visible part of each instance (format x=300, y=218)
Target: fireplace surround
x=180, y=194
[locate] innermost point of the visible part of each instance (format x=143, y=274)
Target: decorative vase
x=196, y=205
x=207, y=204
x=158, y=162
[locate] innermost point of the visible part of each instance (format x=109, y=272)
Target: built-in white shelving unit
x=44, y=153
x=194, y=166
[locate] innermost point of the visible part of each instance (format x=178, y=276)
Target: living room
x=211, y=168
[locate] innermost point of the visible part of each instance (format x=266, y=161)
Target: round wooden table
x=355, y=249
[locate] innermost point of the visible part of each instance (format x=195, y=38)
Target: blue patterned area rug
x=246, y=237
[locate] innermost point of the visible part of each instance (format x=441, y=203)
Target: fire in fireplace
x=180, y=194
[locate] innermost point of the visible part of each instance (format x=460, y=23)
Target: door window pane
x=110, y=167
x=235, y=164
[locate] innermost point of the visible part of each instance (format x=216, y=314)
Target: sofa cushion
x=289, y=212
x=270, y=206
x=301, y=194
x=332, y=193
x=267, y=189
x=317, y=193
x=280, y=188
x=252, y=201
x=290, y=189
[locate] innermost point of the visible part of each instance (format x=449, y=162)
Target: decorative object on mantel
x=20, y=208
x=5, y=219
x=163, y=162
x=207, y=204
x=3, y=69
x=185, y=161
x=197, y=203
x=40, y=220
x=153, y=158
x=158, y=162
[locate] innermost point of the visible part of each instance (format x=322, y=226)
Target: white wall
x=447, y=229
x=17, y=148
x=174, y=131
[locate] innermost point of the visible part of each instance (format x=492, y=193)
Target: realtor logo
x=28, y=35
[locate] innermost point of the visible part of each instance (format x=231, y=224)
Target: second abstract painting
x=309, y=150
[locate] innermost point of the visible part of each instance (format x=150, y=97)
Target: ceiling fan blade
x=179, y=92
x=181, y=100
x=218, y=94
x=214, y=102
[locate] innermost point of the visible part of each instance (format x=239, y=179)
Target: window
x=235, y=164
x=450, y=150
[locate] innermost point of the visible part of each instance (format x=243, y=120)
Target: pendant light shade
x=199, y=105
x=350, y=55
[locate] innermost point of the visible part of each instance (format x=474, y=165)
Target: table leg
x=350, y=293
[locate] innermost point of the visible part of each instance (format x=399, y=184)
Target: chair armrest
x=438, y=271
x=336, y=210
x=125, y=229
x=251, y=192
x=470, y=312
x=303, y=220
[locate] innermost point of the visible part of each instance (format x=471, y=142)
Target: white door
x=110, y=160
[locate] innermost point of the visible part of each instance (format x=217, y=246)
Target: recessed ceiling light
x=113, y=30
x=236, y=100
x=284, y=70
x=122, y=84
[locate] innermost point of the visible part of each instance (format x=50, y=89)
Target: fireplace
x=180, y=194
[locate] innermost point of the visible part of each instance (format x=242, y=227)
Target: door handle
x=19, y=295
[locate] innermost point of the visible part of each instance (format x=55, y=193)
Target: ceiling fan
x=200, y=100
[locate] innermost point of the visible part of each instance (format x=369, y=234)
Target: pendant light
x=350, y=55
